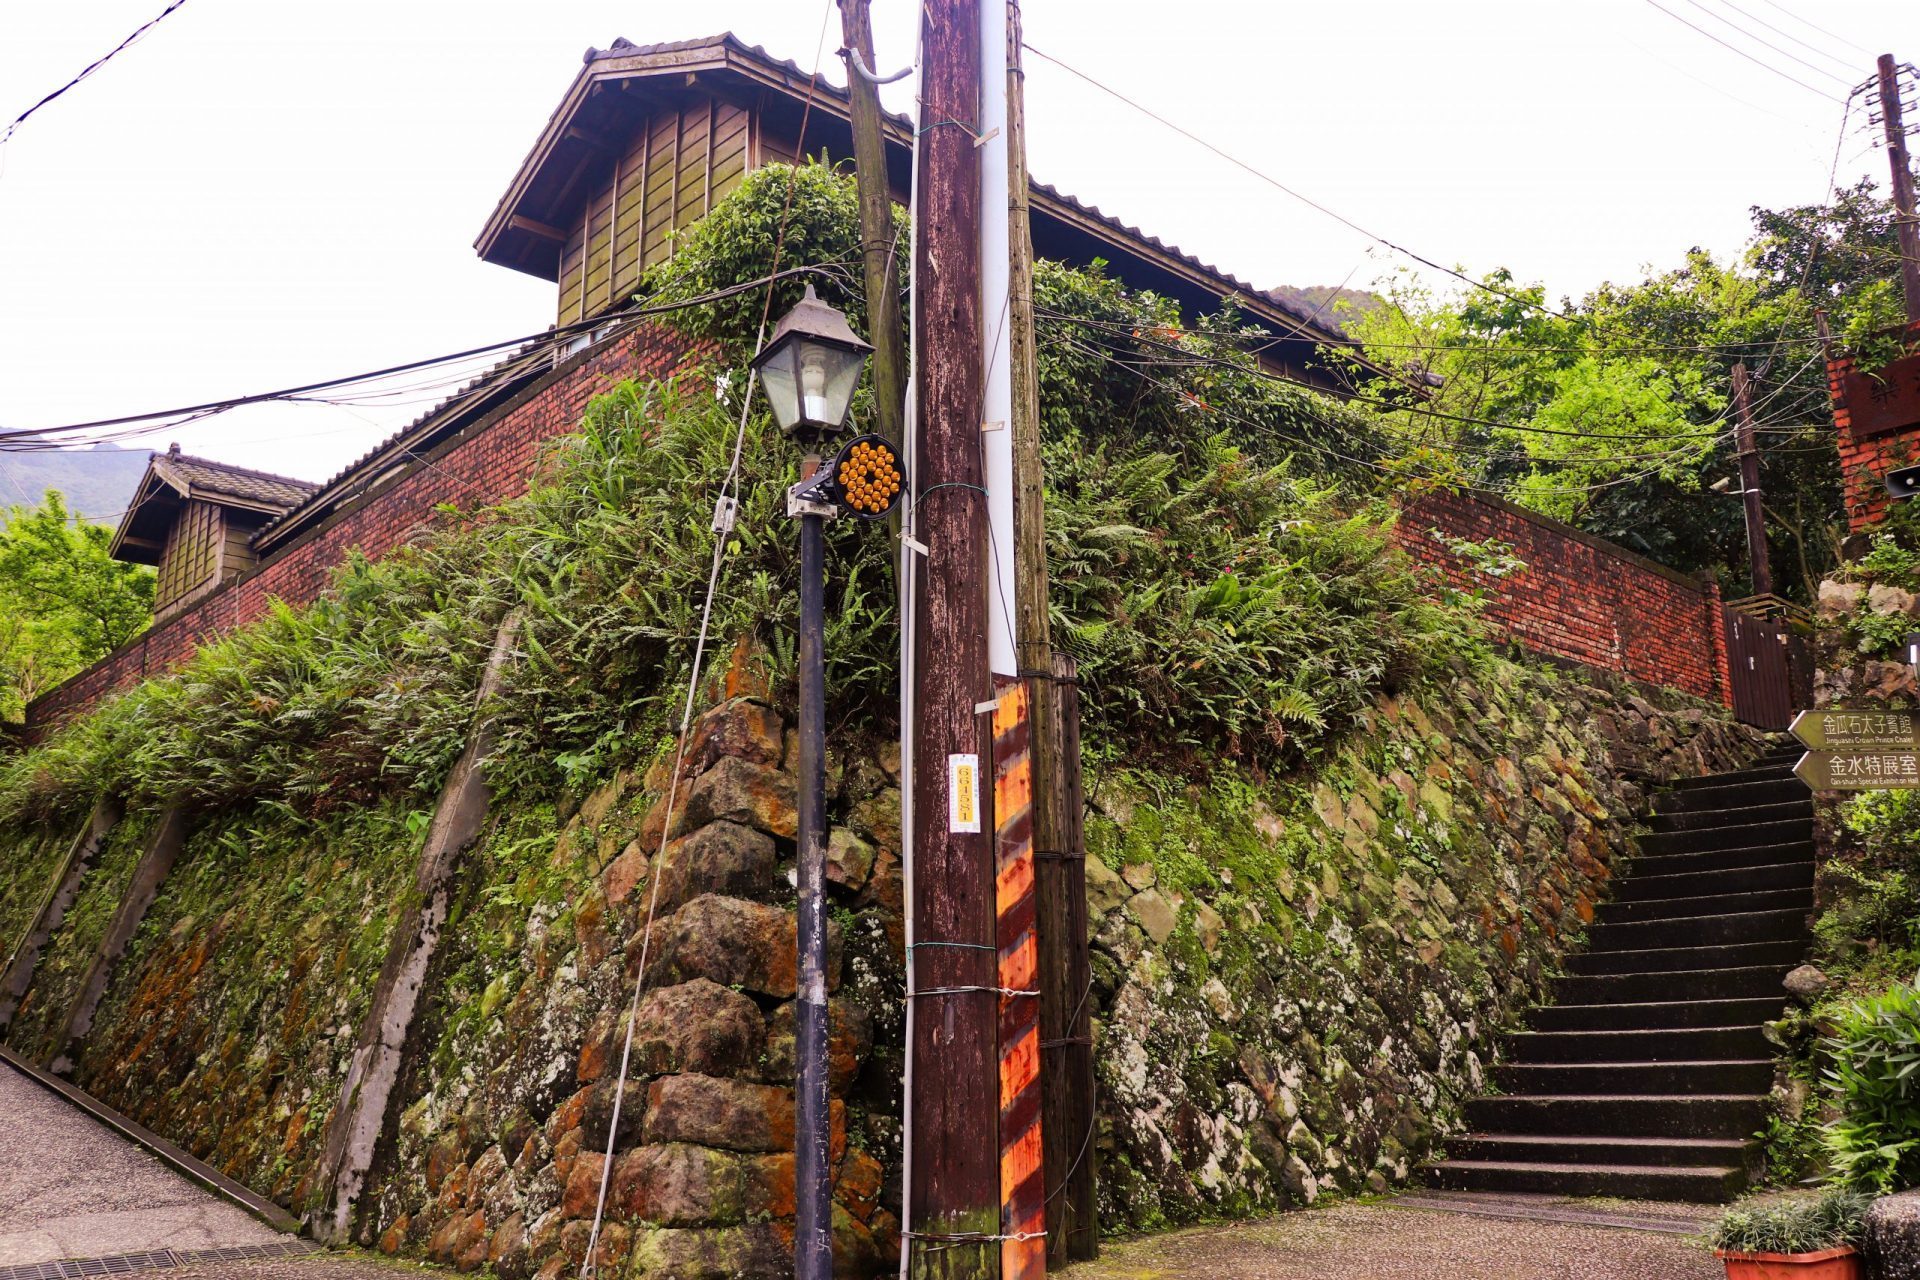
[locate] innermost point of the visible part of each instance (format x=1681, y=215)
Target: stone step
x=1734, y=795
x=1706, y=1184
x=1720, y=880
x=1668, y=864
x=1536, y=1148
x=1774, y=771
x=1784, y=953
x=1666, y=1044
x=1654, y=1015
x=1800, y=899
x=1744, y=815
x=1729, y=837
x=1678, y=984
x=1724, y=1076
x=1692, y=1115
x=1717, y=929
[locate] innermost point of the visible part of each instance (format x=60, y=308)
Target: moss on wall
x=230, y=1020
x=30, y=856
x=42, y=1016
x=1297, y=981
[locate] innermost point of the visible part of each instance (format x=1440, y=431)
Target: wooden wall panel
x=192, y=553
x=729, y=149
x=690, y=187
x=629, y=197
x=664, y=157
x=570, y=279
x=676, y=163
x=599, y=233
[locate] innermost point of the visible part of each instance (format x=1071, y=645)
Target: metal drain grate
x=152, y=1260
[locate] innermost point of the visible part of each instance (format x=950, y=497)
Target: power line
x=1816, y=27
x=1742, y=52
x=90, y=68
x=37, y=438
x=1765, y=44
x=1254, y=370
x=1754, y=17
x=1278, y=185
x=1657, y=461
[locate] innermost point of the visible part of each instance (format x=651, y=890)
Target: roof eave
x=494, y=237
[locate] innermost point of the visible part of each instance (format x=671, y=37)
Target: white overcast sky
x=262, y=194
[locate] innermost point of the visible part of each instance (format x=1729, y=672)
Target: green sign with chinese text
x=1840, y=727
x=1859, y=770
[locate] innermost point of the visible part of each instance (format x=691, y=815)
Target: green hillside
x=98, y=482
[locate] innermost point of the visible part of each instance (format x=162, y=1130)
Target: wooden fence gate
x=1771, y=669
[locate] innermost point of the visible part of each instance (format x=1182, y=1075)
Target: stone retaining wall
x=1296, y=980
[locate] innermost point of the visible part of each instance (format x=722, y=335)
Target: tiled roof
x=1305, y=316
x=203, y=477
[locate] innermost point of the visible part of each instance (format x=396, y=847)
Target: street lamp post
x=809, y=371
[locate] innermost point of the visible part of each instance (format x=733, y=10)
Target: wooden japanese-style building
x=194, y=520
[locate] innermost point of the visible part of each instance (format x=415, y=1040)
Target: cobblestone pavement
x=72, y=1188
x=1385, y=1242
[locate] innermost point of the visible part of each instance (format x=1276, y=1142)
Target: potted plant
x=1800, y=1239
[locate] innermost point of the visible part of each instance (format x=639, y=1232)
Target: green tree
x=1613, y=411
x=64, y=602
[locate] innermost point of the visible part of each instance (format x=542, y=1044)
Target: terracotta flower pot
x=1844, y=1263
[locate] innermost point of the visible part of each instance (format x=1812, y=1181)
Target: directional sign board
x=1859, y=770
x=1862, y=730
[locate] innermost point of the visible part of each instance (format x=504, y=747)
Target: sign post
x=1858, y=750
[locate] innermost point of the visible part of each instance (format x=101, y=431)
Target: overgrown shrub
x=1874, y=1143
x=819, y=209
x=1804, y=1225
x=1217, y=600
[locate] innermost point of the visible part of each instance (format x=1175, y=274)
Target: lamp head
x=810, y=368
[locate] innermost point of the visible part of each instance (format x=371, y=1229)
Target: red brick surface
x=1865, y=463
x=1579, y=598
x=488, y=461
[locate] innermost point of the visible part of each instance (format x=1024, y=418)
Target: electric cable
x=1278, y=185
x=1814, y=26
x=35, y=436
x=1765, y=44
x=1316, y=205
x=1258, y=371
x=88, y=70
x=1804, y=44
x=1742, y=52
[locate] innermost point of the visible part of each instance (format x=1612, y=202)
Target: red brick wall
x=1865, y=463
x=487, y=462
x=1580, y=597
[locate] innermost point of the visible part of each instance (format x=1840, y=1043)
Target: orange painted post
x=1023, y=1200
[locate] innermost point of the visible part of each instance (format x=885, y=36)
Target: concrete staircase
x=1648, y=1075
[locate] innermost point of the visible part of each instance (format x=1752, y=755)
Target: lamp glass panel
x=840, y=375
x=780, y=380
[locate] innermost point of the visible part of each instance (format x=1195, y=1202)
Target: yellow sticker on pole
x=963, y=794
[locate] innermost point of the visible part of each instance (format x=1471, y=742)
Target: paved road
x=1384, y=1242
x=72, y=1188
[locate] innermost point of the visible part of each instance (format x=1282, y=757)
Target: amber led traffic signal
x=867, y=477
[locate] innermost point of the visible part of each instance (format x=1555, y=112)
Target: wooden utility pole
x=1906, y=221
x=1758, y=565
x=1060, y=885
x=953, y=1209
x=876, y=223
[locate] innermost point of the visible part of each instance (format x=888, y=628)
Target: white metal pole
x=996, y=401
